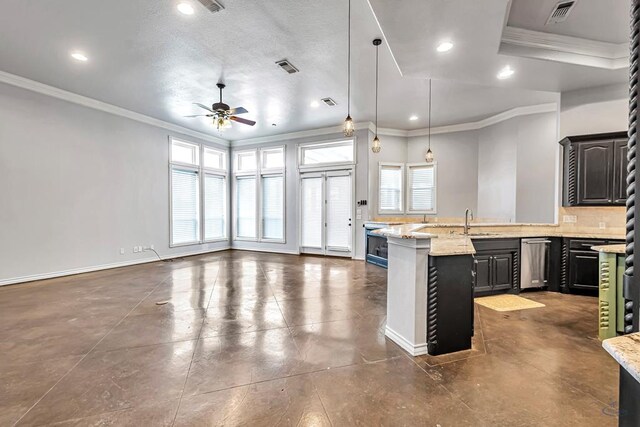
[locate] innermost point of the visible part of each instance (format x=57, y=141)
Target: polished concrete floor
x=243, y=338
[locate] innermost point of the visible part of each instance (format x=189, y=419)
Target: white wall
x=497, y=148
x=292, y=185
x=456, y=156
x=594, y=110
x=77, y=185
x=518, y=169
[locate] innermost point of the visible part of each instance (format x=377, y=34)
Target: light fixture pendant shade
x=348, y=127
x=429, y=156
x=376, y=147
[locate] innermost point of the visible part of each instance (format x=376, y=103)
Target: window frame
x=401, y=208
x=201, y=170
x=326, y=165
x=259, y=174
x=409, y=166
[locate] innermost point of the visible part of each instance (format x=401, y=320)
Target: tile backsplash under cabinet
x=593, y=219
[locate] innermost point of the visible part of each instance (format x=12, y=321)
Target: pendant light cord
x=377, y=50
x=429, y=114
x=349, y=65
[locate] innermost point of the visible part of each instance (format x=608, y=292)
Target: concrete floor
x=265, y=339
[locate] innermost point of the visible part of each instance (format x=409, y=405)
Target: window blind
x=390, y=197
x=185, y=215
x=246, y=208
x=339, y=212
x=312, y=201
x=273, y=207
x=215, y=207
x=421, y=185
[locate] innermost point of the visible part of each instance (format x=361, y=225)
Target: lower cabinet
x=496, y=268
x=580, y=265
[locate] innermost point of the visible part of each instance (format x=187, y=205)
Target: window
x=185, y=152
x=273, y=207
x=421, y=188
x=185, y=209
x=326, y=153
x=214, y=159
x=246, y=207
x=260, y=195
x=391, y=177
x=198, y=193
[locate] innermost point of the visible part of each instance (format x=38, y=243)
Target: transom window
x=326, y=153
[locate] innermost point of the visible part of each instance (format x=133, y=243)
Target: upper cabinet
x=595, y=169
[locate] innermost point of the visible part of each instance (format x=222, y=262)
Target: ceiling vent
x=560, y=13
x=212, y=5
x=330, y=102
x=287, y=66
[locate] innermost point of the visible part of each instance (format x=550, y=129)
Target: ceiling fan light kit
x=222, y=114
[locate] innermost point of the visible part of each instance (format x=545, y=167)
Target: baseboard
x=412, y=349
x=71, y=272
x=271, y=251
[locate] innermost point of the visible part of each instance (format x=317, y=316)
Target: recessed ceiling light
x=185, y=9
x=444, y=46
x=505, y=73
x=79, y=56
x=413, y=118
x=315, y=104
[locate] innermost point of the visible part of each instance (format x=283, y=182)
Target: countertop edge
x=626, y=351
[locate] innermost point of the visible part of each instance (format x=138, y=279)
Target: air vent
x=212, y=5
x=330, y=102
x=561, y=12
x=287, y=66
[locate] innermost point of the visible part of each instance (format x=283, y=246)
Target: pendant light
x=429, y=156
x=375, y=147
x=348, y=127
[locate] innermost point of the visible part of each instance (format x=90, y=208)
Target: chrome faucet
x=468, y=215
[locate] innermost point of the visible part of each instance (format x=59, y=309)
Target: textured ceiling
x=148, y=58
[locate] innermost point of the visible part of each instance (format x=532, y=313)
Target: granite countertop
x=626, y=350
x=610, y=249
x=453, y=242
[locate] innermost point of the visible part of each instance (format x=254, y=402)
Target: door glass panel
x=339, y=212
x=311, y=225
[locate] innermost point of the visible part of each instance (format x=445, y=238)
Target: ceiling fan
x=223, y=115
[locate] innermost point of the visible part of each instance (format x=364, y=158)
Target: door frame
x=324, y=173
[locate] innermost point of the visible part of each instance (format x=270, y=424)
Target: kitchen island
x=432, y=274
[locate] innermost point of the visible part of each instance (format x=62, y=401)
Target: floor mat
x=507, y=303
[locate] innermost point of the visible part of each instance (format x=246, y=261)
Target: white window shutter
x=215, y=207
x=246, y=207
x=273, y=207
x=422, y=191
x=312, y=207
x=390, y=191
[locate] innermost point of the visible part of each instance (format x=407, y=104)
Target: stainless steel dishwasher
x=534, y=268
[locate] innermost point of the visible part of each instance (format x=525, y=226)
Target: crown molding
x=560, y=48
x=32, y=85
x=295, y=135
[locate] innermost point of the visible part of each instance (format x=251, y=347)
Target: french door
x=326, y=213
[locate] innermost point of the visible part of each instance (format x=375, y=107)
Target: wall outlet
x=121, y=251
x=602, y=225
x=572, y=219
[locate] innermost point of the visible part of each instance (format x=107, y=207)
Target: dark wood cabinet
x=595, y=169
x=620, y=168
x=580, y=264
x=496, y=268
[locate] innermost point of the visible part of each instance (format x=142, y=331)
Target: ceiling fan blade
x=203, y=106
x=243, y=121
x=201, y=115
x=238, y=110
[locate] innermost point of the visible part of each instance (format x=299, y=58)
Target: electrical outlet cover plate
x=572, y=219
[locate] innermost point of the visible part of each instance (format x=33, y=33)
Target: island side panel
x=407, y=294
